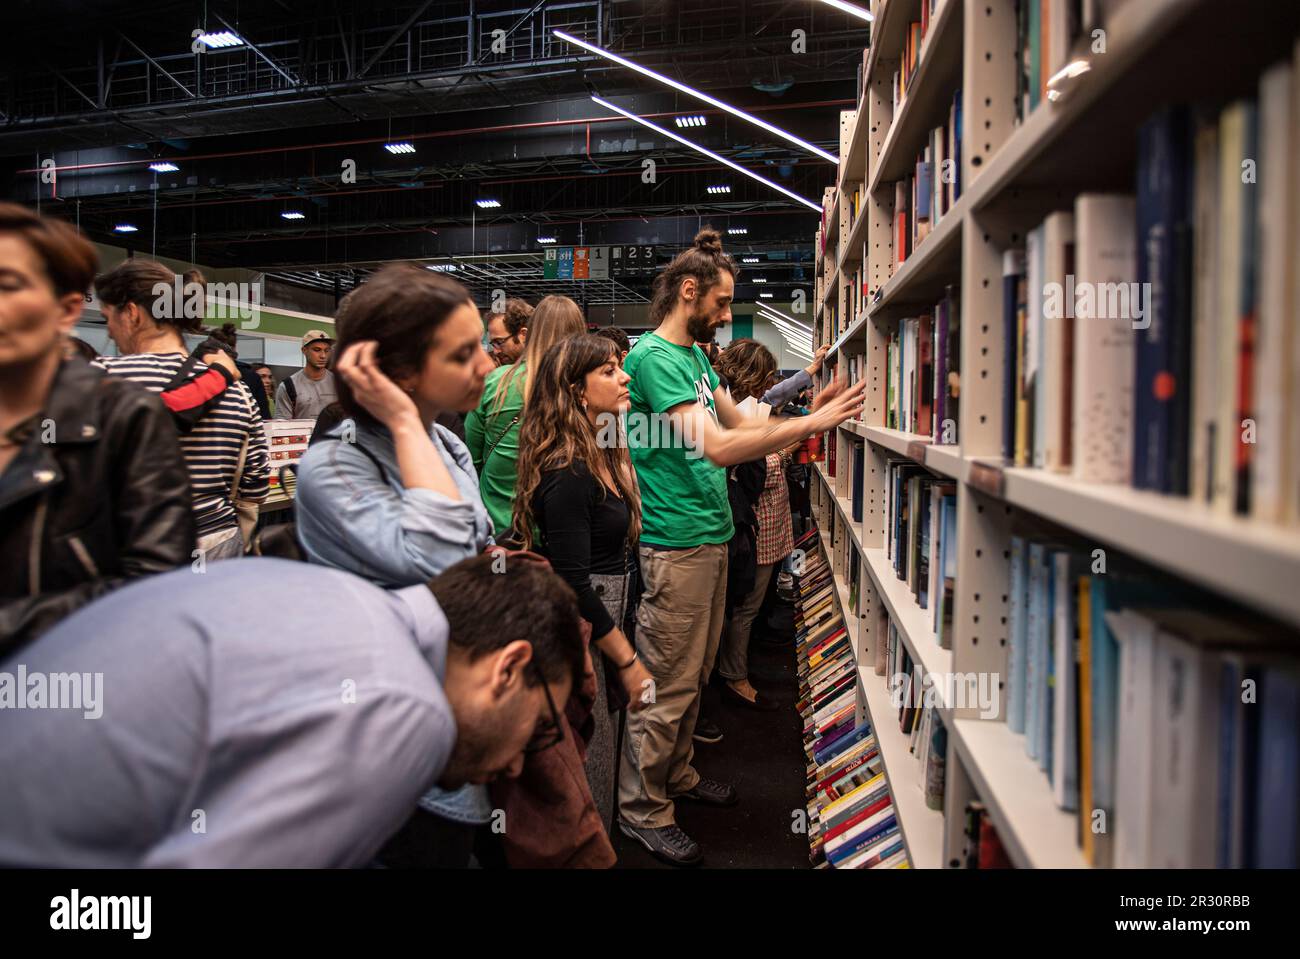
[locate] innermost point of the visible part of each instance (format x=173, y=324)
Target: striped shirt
x=211, y=448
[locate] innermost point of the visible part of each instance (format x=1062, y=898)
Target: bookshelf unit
x=1012, y=174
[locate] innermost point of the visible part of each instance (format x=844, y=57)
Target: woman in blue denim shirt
x=392, y=497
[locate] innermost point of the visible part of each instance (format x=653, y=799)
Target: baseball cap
x=311, y=336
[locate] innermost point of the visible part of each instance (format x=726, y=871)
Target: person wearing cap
x=303, y=395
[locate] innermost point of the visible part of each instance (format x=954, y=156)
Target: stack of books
x=851, y=818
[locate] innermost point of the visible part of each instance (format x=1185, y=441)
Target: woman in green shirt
x=492, y=430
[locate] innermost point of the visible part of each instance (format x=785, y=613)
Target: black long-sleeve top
x=583, y=532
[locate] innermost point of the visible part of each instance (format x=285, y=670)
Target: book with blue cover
x=1164, y=208
x=1017, y=631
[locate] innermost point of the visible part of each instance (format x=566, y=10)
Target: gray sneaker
x=668, y=843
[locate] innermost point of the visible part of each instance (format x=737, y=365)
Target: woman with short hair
x=93, y=488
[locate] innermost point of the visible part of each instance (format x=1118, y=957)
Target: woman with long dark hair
x=576, y=487
x=390, y=495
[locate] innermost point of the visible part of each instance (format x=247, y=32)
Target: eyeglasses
x=546, y=738
x=497, y=342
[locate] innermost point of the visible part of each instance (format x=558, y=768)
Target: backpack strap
x=500, y=436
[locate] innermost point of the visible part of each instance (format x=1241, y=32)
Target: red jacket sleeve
x=192, y=400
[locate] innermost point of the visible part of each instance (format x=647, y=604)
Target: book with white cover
x=1035, y=264
x=1104, y=345
x=1136, y=636
x=1187, y=700
x=1273, y=381
x=1054, y=378
x=1291, y=511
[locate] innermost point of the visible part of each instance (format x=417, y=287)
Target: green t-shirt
x=497, y=473
x=683, y=495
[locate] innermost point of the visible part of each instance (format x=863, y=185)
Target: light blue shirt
x=263, y=713
x=353, y=513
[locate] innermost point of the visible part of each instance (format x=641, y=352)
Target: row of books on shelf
x=913, y=41
x=831, y=330
x=921, y=539
x=924, y=198
x=1173, y=734
x=852, y=822
x=923, y=372
x=1049, y=35
x=919, y=721
x=1154, y=340
x=837, y=447
x=858, y=290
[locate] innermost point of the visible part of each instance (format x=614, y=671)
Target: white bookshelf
x=1156, y=52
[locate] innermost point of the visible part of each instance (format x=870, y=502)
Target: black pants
x=427, y=841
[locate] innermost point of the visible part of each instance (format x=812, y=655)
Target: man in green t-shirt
x=686, y=524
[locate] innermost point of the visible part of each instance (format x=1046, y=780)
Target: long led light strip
x=788, y=319
x=803, y=339
x=781, y=324
x=708, y=153
x=699, y=95
x=850, y=8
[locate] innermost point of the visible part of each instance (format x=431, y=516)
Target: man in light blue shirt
x=266, y=713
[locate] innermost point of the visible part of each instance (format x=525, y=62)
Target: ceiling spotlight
x=546, y=239
x=402, y=147
x=125, y=228
x=749, y=259
x=691, y=91
x=162, y=166
x=692, y=121
x=441, y=267
x=765, y=296
x=488, y=204
x=759, y=279
x=850, y=9
x=737, y=231
x=720, y=189
x=217, y=41
x=293, y=215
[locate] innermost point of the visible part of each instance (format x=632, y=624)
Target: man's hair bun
x=708, y=241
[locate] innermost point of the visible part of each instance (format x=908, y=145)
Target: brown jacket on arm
x=98, y=494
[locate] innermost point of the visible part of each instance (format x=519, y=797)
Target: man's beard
x=697, y=325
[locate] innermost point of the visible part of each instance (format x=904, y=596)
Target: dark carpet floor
x=762, y=755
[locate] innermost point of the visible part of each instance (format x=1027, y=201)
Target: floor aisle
x=762, y=754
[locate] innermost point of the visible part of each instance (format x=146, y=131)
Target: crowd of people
x=485, y=635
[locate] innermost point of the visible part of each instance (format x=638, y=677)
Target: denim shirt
x=353, y=513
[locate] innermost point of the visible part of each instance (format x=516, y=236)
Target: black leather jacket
x=104, y=499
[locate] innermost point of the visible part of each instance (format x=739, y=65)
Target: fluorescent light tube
x=816, y=207
x=691, y=91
